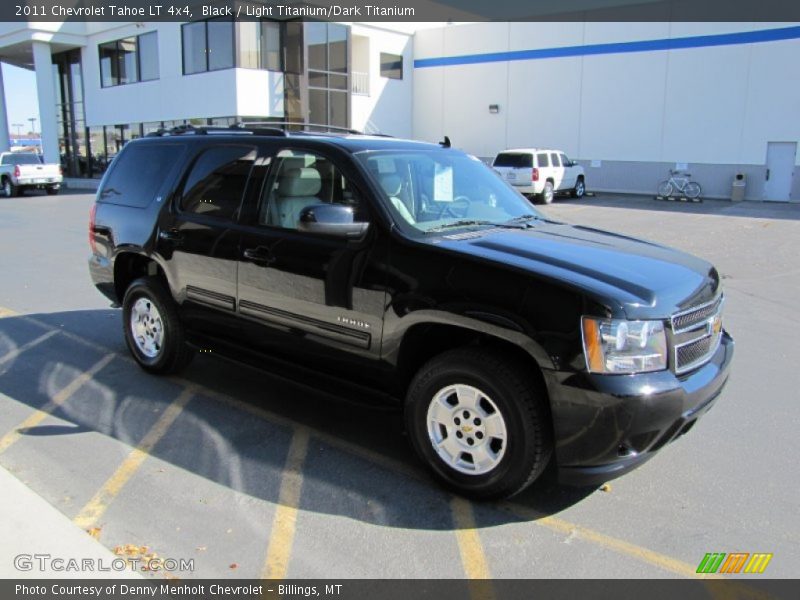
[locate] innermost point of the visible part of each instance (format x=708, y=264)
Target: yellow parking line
x=7, y=312
x=12, y=354
x=57, y=400
x=613, y=544
x=469, y=545
x=284, y=523
x=97, y=506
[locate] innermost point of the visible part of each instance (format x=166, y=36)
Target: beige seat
x=393, y=186
x=297, y=188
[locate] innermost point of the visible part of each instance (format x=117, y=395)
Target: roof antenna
x=445, y=143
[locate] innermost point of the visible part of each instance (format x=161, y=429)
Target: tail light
x=535, y=174
x=92, y=214
x=16, y=171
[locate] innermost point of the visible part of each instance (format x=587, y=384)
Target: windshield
x=434, y=190
x=21, y=159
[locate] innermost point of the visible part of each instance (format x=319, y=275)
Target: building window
x=328, y=90
x=391, y=65
x=129, y=60
x=259, y=45
x=207, y=46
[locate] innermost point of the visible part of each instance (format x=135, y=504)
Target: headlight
x=620, y=346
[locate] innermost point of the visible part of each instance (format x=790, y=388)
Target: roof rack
x=273, y=128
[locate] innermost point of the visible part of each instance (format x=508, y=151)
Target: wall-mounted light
x=494, y=108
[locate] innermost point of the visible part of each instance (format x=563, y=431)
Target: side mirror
x=331, y=219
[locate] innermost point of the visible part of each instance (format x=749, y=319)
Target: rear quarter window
x=515, y=160
x=217, y=181
x=138, y=173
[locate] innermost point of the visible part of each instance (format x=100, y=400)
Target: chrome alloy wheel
x=147, y=328
x=467, y=430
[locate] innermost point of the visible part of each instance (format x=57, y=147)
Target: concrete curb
x=30, y=526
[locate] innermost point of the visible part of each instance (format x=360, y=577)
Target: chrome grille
x=686, y=319
x=696, y=334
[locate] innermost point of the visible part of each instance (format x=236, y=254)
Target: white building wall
x=388, y=107
x=714, y=108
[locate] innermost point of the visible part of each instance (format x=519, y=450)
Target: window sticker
x=443, y=183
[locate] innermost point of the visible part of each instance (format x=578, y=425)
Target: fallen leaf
x=606, y=487
x=94, y=532
x=233, y=566
x=201, y=548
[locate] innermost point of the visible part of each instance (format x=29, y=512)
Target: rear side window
x=541, y=160
x=515, y=160
x=138, y=173
x=554, y=158
x=217, y=181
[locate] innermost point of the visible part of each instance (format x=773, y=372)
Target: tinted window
x=301, y=179
x=554, y=158
x=194, y=47
x=514, y=160
x=541, y=160
x=148, y=56
x=138, y=173
x=109, y=66
x=21, y=159
x=391, y=65
x=220, y=44
x=216, y=183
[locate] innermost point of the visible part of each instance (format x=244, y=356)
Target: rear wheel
x=580, y=189
x=52, y=191
x=547, y=193
x=692, y=190
x=9, y=189
x=153, y=331
x=480, y=422
x=665, y=189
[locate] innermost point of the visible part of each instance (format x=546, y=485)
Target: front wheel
x=692, y=190
x=665, y=189
x=480, y=422
x=153, y=331
x=579, y=190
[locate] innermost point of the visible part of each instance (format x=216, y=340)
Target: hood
x=643, y=279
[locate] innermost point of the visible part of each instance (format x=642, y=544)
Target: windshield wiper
x=461, y=223
x=523, y=219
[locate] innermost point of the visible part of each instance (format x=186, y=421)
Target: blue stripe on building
x=700, y=41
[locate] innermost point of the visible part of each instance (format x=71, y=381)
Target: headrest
x=300, y=182
x=391, y=184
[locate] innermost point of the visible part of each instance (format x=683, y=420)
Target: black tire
x=9, y=189
x=548, y=193
x=174, y=354
x=521, y=402
x=52, y=191
x=580, y=188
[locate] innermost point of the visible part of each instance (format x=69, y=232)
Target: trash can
x=737, y=189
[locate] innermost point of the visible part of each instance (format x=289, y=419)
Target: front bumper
x=607, y=425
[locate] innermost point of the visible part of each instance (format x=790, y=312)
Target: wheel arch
x=131, y=264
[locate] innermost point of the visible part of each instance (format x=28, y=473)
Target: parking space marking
x=96, y=507
x=613, y=544
x=469, y=545
x=12, y=354
x=284, y=523
x=7, y=312
x=57, y=400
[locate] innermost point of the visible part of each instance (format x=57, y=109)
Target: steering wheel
x=450, y=208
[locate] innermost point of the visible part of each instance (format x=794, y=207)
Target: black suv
x=412, y=269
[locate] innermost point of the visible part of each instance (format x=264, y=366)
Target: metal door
x=780, y=170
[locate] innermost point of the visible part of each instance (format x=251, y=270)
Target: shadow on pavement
x=237, y=428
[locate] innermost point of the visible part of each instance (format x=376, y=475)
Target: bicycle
x=679, y=182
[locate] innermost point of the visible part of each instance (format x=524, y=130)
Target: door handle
x=259, y=255
x=767, y=174
x=170, y=236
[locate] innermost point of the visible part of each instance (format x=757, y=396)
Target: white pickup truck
x=20, y=171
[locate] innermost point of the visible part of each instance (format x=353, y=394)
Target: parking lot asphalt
x=250, y=474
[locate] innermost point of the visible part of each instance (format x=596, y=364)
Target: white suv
x=540, y=173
